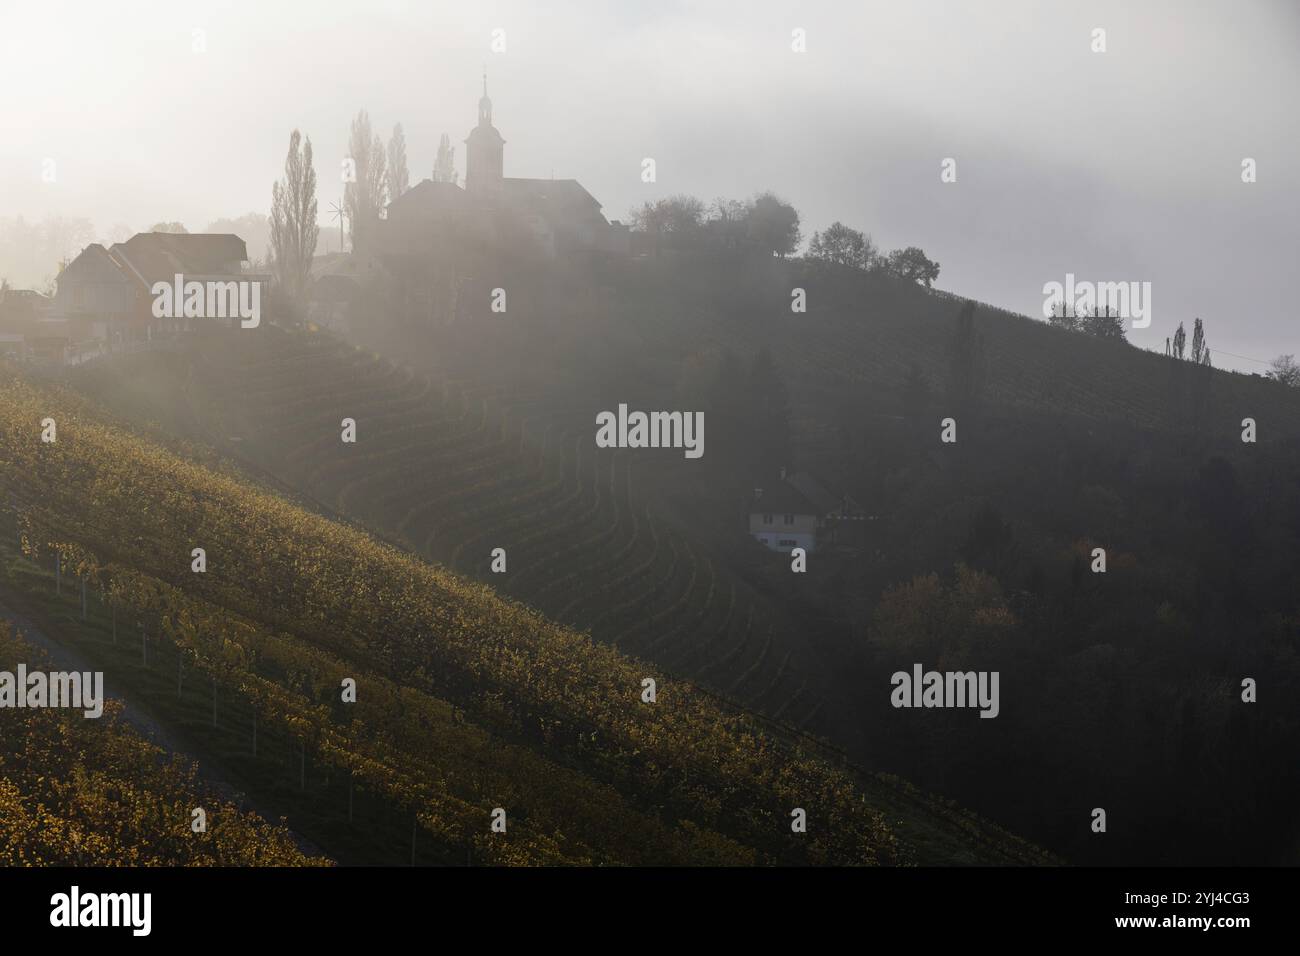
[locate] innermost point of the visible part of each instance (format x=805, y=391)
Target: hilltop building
x=550, y=217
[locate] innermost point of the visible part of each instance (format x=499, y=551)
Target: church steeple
x=484, y=167
x=484, y=106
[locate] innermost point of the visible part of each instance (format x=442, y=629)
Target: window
x=787, y=543
x=789, y=519
x=767, y=519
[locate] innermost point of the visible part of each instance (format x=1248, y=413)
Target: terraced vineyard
x=464, y=701
x=452, y=472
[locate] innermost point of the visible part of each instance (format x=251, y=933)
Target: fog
x=1115, y=166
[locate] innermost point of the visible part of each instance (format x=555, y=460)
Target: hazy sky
x=1123, y=165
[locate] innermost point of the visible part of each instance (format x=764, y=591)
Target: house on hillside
x=800, y=512
x=105, y=295
x=24, y=324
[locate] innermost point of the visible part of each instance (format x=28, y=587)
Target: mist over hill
x=976, y=553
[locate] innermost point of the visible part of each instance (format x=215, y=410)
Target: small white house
x=798, y=512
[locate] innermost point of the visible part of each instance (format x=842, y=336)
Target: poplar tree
x=294, y=229
x=364, y=193
x=399, y=179
x=444, y=166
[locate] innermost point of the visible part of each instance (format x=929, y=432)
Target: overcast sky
x=1122, y=165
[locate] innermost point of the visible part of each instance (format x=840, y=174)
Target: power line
x=1246, y=357
x=1217, y=352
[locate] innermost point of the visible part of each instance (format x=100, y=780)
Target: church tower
x=483, y=152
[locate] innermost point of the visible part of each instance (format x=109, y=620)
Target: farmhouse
x=800, y=512
x=106, y=295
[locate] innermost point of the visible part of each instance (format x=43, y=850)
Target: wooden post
x=302, y=765
x=114, y=623
x=83, y=598
x=179, y=661
x=214, y=700
x=58, y=572
x=144, y=648
x=254, y=734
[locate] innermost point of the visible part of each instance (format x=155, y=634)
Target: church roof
x=428, y=195
x=561, y=192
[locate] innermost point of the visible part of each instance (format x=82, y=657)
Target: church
x=494, y=212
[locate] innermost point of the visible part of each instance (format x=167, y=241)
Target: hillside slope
x=465, y=703
x=1067, y=443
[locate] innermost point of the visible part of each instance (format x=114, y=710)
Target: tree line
x=770, y=224
x=844, y=246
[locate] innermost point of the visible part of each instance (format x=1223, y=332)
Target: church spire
x=484, y=105
x=483, y=160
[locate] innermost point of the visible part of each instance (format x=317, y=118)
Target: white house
x=798, y=512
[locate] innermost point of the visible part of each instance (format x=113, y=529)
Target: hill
x=1066, y=444
x=75, y=792
x=465, y=704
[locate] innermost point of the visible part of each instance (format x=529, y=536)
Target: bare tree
x=727, y=221
x=364, y=193
x=399, y=179
x=674, y=219
x=1285, y=370
x=294, y=229
x=32, y=253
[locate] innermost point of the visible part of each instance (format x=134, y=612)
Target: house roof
x=816, y=492
x=154, y=256
x=781, y=498
x=802, y=493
